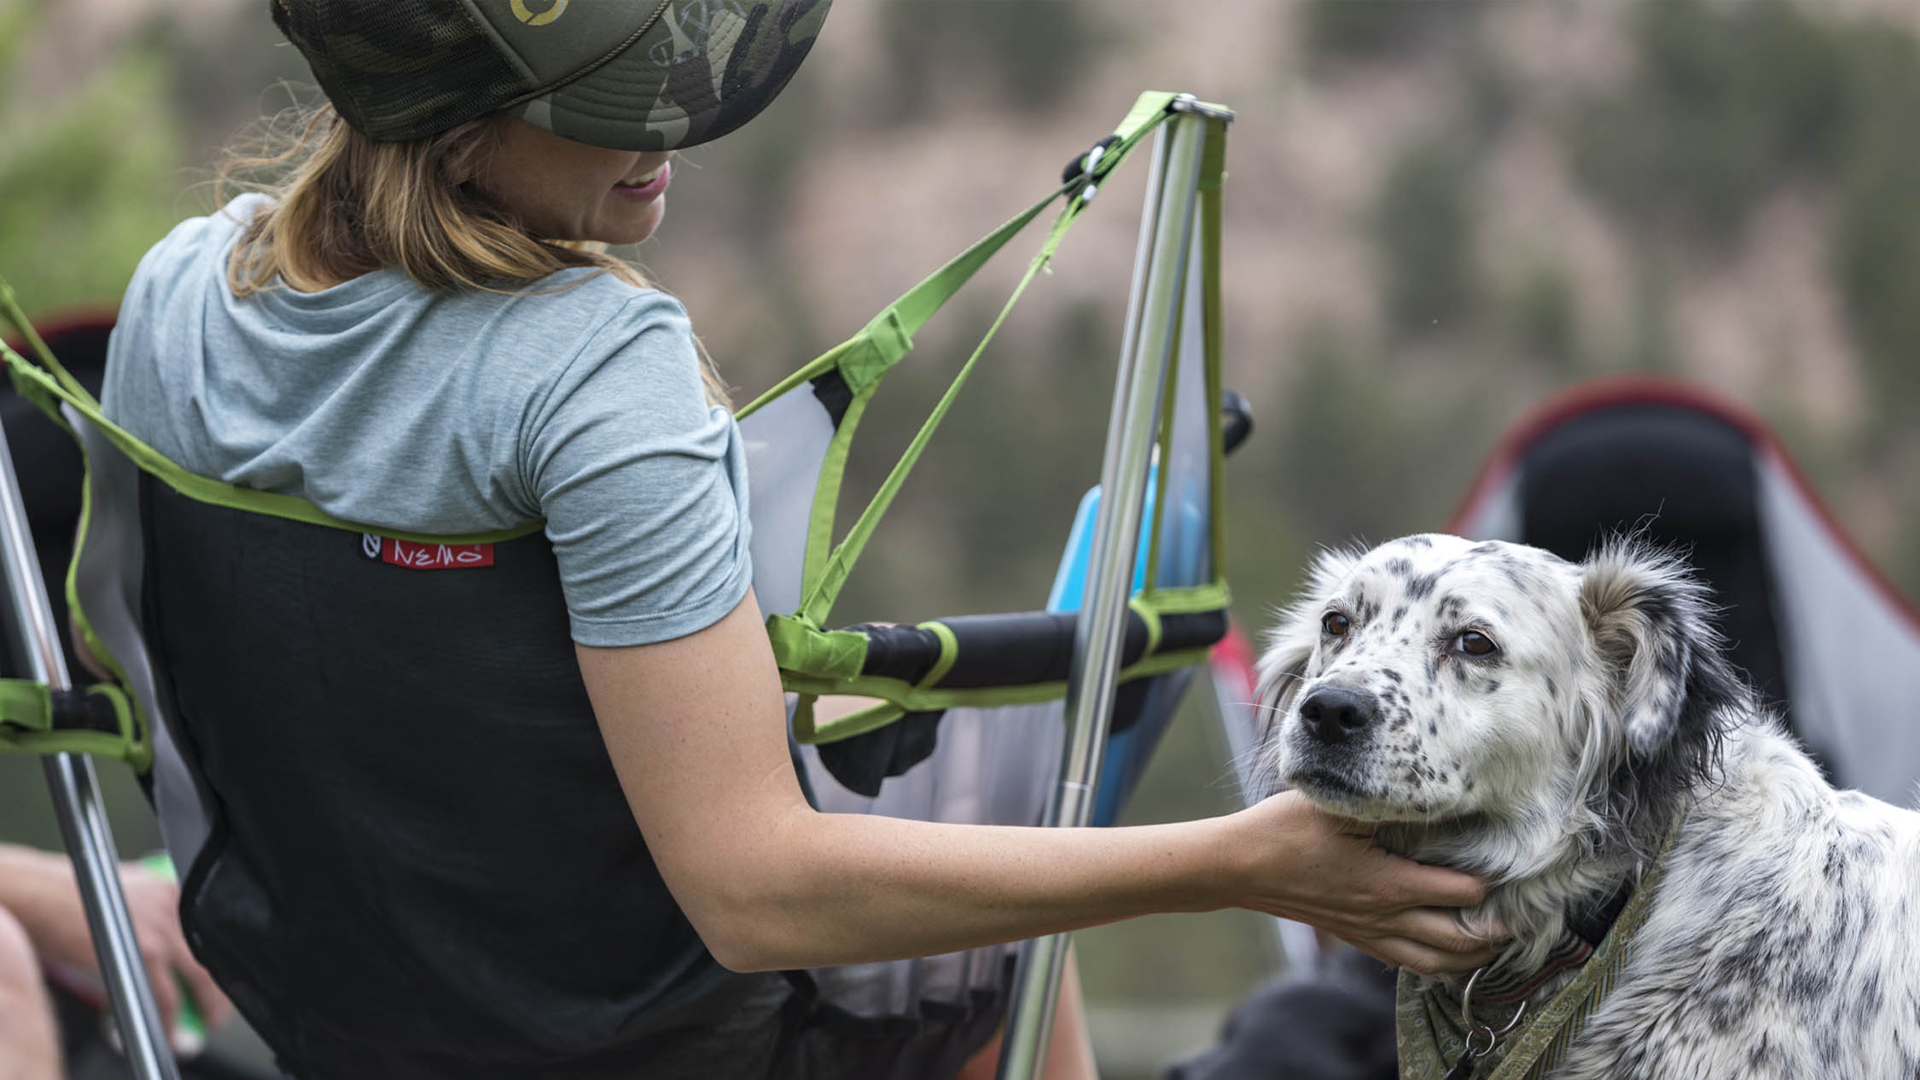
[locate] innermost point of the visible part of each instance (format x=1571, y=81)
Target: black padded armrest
x=1018, y=648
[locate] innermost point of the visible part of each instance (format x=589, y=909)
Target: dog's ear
x=1651, y=624
x=1291, y=642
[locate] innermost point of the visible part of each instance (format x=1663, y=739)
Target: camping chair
x=967, y=711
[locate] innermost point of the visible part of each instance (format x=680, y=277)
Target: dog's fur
x=1785, y=939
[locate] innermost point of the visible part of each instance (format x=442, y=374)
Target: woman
x=426, y=862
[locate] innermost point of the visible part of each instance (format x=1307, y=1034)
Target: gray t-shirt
x=578, y=401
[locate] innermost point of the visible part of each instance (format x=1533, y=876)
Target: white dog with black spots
x=1542, y=723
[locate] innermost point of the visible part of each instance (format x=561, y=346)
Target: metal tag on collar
x=1476, y=1032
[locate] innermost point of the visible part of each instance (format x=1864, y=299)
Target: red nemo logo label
x=426, y=556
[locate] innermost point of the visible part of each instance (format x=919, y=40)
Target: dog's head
x=1437, y=680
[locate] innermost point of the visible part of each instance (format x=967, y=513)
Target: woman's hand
x=39, y=889
x=1313, y=867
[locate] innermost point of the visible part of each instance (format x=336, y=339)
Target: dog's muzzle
x=1334, y=715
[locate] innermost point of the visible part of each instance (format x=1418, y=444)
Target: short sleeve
x=642, y=483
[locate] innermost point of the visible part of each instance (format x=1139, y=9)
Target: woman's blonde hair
x=345, y=205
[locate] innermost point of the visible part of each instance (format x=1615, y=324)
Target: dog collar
x=1436, y=1041
x=1587, y=927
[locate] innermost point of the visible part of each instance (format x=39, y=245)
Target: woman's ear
x=1651, y=624
x=1290, y=644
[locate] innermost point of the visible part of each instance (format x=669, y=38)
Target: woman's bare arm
x=694, y=730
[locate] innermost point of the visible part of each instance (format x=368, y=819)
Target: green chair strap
x=877, y=347
x=816, y=661
x=889, y=335
x=29, y=723
x=25, y=705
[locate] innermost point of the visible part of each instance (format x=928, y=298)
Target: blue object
x=1128, y=751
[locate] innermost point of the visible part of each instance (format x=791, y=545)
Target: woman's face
x=566, y=190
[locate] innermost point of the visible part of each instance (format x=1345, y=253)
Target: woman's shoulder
x=603, y=293
x=215, y=230
x=581, y=317
x=194, y=243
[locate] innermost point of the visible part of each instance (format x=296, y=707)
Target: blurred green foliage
x=1731, y=103
x=1424, y=225
x=1029, y=53
x=1545, y=314
x=88, y=180
x=1726, y=103
x=1354, y=422
x=1651, y=347
x=1876, y=235
x=1373, y=29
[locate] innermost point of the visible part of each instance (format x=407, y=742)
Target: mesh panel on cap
x=400, y=69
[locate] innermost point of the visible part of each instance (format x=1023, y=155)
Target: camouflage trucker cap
x=624, y=74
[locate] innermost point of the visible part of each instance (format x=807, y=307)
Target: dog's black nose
x=1334, y=714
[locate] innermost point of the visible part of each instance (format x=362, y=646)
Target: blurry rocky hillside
x=1439, y=212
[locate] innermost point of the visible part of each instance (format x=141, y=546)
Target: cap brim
x=681, y=85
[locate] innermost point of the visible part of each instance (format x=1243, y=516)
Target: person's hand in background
x=39, y=889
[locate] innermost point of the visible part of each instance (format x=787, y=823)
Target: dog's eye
x=1475, y=643
x=1335, y=624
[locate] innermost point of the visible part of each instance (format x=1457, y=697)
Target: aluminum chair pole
x=1160, y=270
x=76, y=801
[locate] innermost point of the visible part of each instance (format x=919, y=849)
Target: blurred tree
x=1342, y=441
x=1546, y=318
x=1726, y=102
x=1876, y=235
x=1490, y=95
x=1730, y=103
x=90, y=180
x=1031, y=52
x=230, y=66
x=1372, y=29
x=1423, y=224
x=1651, y=346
